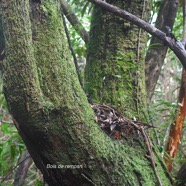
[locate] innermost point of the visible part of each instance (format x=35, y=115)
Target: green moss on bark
x=51, y=110
x=114, y=72
x=50, y=49
x=2, y=39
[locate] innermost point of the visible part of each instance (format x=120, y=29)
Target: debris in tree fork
x=119, y=127
x=114, y=124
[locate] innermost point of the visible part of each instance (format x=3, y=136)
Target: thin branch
x=23, y=168
x=72, y=50
x=90, y=181
x=150, y=154
x=11, y=171
x=176, y=46
x=154, y=127
x=72, y=18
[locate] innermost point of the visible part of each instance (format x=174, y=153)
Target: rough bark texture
x=176, y=46
x=2, y=40
x=157, y=50
x=115, y=62
x=51, y=111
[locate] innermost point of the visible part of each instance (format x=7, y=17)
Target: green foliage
x=11, y=145
x=82, y=9
x=77, y=43
x=155, y=8
x=178, y=25
x=11, y=148
x=39, y=183
x=164, y=106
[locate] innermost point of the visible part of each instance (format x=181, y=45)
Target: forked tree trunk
x=51, y=111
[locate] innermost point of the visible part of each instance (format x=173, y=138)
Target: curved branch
x=23, y=168
x=72, y=50
x=72, y=18
x=176, y=46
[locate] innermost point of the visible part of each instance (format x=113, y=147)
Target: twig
x=137, y=84
x=147, y=141
x=154, y=127
x=90, y=181
x=2, y=54
x=22, y=170
x=166, y=134
x=72, y=50
x=10, y=172
x=150, y=152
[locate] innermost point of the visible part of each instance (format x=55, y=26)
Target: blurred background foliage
x=162, y=108
x=164, y=102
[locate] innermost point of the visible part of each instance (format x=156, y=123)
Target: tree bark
x=2, y=40
x=51, y=111
x=114, y=71
x=176, y=46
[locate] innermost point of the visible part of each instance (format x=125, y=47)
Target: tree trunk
x=51, y=111
x=115, y=61
x=2, y=40
x=157, y=49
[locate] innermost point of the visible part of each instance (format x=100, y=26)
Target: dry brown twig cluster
x=119, y=127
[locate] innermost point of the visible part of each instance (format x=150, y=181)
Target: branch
x=176, y=46
x=72, y=50
x=70, y=15
x=11, y=171
x=150, y=155
x=157, y=49
x=23, y=168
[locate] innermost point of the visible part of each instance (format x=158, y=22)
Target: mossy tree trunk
x=50, y=109
x=115, y=61
x=2, y=40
